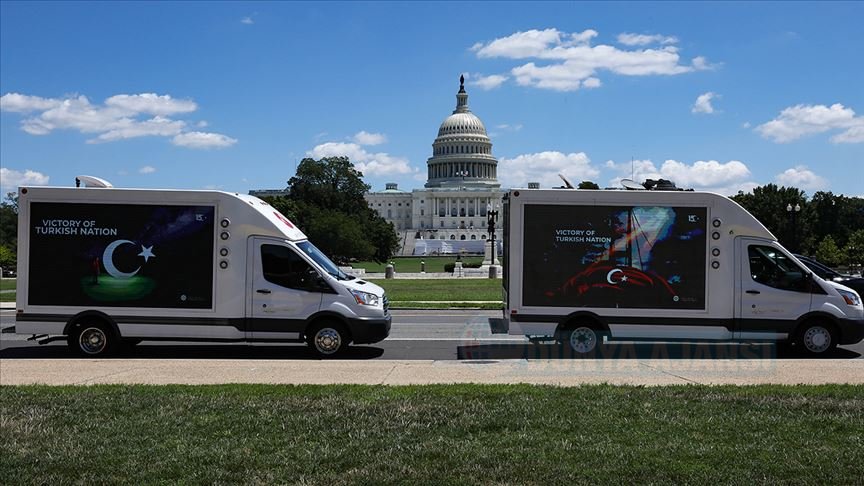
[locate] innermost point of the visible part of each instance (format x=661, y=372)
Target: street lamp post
x=793, y=211
x=493, y=218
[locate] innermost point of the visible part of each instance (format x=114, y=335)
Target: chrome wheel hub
x=92, y=340
x=327, y=341
x=817, y=339
x=583, y=340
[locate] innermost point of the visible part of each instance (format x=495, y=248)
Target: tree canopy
x=805, y=231
x=326, y=200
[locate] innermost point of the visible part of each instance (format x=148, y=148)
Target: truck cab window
x=281, y=266
x=770, y=267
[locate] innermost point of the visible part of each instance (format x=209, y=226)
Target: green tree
x=828, y=252
x=769, y=205
x=854, y=250
x=587, y=185
x=325, y=199
x=9, y=222
x=8, y=260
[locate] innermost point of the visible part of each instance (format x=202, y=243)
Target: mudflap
x=499, y=325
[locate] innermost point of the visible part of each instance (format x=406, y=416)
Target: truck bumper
x=368, y=331
x=851, y=331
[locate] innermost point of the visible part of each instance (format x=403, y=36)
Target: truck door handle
x=754, y=292
x=263, y=291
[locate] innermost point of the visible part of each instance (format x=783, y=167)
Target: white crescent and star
x=108, y=258
x=613, y=272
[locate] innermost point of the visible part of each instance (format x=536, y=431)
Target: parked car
x=827, y=273
x=8, y=273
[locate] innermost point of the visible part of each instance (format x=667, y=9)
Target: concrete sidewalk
x=553, y=372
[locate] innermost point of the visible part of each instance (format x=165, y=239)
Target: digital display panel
x=121, y=255
x=614, y=257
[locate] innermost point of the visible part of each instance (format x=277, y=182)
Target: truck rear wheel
x=327, y=339
x=91, y=339
x=582, y=339
x=817, y=338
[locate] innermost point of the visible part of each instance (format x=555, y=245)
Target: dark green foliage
x=587, y=185
x=457, y=434
x=325, y=199
x=9, y=231
x=802, y=232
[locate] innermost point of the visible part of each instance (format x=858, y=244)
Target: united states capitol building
x=449, y=215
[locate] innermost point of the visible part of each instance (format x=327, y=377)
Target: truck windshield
x=322, y=261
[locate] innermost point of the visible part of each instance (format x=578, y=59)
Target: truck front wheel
x=327, y=339
x=817, y=338
x=91, y=340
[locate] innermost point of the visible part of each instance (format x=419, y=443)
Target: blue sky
x=716, y=96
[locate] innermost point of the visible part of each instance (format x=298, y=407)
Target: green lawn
x=7, y=297
x=450, y=289
x=7, y=284
x=457, y=434
x=412, y=264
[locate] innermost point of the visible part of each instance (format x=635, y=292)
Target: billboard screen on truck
x=614, y=256
x=121, y=255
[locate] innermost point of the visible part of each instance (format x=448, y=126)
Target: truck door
x=773, y=291
x=284, y=291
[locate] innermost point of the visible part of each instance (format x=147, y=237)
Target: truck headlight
x=851, y=298
x=364, y=298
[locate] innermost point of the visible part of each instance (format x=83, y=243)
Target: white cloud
x=575, y=62
x=156, y=126
x=802, y=120
x=11, y=179
x=370, y=164
x=508, y=127
x=203, y=140
x=852, y=135
x=247, y=21
x=642, y=39
x=703, y=103
x=121, y=117
x=19, y=103
x=802, y=178
x=544, y=167
x=151, y=104
x=591, y=83
x=147, y=169
x=366, y=138
x=712, y=176
x=489, y=82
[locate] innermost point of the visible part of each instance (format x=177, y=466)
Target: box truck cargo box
x=99, y=266
x=581, y=266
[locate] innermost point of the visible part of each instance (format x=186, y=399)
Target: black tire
x=327, y=338
x=91, y=339
x=581, y=339
x=817, y=338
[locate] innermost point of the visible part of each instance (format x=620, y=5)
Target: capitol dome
x=462, y=152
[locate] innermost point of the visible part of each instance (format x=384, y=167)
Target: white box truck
x=581, y=266
x=100, y=266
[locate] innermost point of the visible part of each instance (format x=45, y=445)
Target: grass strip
x=447, y=305
x=457, y=434
x=441, y=289
x=8, y=284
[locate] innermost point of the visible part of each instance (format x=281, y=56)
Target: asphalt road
x=425, y=335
